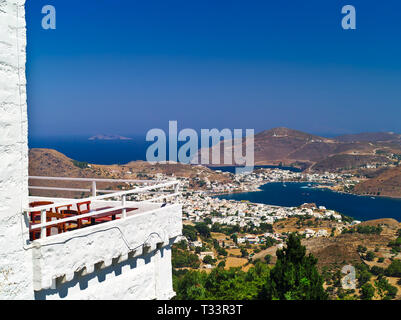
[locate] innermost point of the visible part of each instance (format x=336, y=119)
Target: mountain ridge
x=291, y=147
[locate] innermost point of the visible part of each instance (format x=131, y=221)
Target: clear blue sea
x=96, y=151
x=295, y=194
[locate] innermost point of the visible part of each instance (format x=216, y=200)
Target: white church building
x=118, y=249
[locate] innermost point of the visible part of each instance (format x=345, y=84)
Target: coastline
x=360, y=207
x=358, y=194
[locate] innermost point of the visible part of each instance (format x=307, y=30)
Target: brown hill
x=370, y=137
x=51, y=163
x=287, y=145
x=342, y=249
x=291, y=147
x=342, y=162
x=388, y=183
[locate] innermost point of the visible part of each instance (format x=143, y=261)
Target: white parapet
x=123, y=259
x=15, y=260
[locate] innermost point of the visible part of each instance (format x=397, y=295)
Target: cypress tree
x=295, y=276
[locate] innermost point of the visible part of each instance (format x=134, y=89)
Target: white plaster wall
x=142, y=278
x=123, y=259
x=15, y=262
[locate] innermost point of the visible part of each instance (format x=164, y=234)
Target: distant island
x=108, y=137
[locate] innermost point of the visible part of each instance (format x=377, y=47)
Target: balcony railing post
x=42, y=221
x=94, y=188
x=123, y=202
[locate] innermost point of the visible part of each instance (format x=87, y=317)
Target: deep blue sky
x=126, y=66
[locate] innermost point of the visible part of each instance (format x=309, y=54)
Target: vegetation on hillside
x=294, y=276
x=80, y=164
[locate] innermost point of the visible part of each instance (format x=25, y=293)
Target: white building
x=196, y=244
x=322, y=233
x=202, y=255
x=309, y=233
x=126, y=258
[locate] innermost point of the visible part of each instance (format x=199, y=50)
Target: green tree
x=394, y=269
x=222, y=252
x=189, y=232
x=216, y=227
x=208, y=260
x=395, y=245
x=363, y=277
x=189, y=286
x=268, y=258
x=295, y=276
x=266, y=227
x=221, y=284
x=182, y=245
x=385, y=289
x=203, y=229
x=361, y=248
x=183, y=258
x=244, y=253
x=370, y=256
x=367, y=291
x=377, y=271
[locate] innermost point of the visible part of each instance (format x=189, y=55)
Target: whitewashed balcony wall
x=123, y=259
x=15, y=261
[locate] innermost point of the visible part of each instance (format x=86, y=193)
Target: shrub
x=182, y=245
x=385, y=289
x=361, y=249
x=370, y=256
x=369, y=229
x=189, y=232
x=394, y=269
x=395, y=245
x=363, y=277
x=367, y=291
x=80, y=164
x=203, y=229
x=222, y=252
x=377, y=271
x=209, y=260
x=181, y=259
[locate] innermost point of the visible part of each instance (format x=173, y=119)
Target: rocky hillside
x=295, y=148
x=51, y=163
x=370, y=137
x=347, y=162
x=388, y=183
